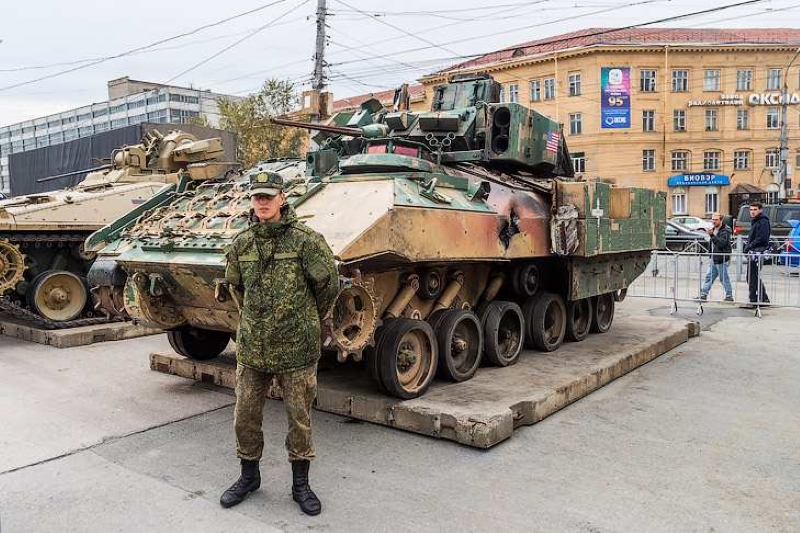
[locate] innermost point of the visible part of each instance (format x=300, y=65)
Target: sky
x=372, y=45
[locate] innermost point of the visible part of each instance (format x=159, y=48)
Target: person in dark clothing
x=757, y=245
x=720, y=249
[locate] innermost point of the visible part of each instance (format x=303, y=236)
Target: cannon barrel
x=340, y=130
x=67, y=174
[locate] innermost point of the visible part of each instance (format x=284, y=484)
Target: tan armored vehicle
x=42, y=261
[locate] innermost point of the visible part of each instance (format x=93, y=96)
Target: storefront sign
x=615, y=97
x=698, y=178
x=751, y=99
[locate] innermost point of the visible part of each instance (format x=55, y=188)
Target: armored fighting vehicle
x=460, y=236
x=43, y=263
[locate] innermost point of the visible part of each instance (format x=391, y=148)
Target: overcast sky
x=44, y=37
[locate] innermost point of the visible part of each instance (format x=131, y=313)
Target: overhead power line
x=140, y=48
x=236, y=43
x=591, y=34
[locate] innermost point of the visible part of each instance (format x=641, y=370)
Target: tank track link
x=14, y=310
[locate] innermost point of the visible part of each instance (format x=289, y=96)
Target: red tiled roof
x=638, y=36
x=384, y=97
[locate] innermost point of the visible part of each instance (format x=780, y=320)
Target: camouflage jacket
x=289, y=279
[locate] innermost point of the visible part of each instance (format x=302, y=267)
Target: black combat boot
x=249, y=481
x=301, y=492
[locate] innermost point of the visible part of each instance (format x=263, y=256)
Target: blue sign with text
x=698, y=178
x=615, y=97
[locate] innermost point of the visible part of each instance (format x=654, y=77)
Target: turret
x=466, y=124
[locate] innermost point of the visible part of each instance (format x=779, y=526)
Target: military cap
x=266, y=182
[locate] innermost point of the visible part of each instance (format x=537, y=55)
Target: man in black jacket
x=757, y=245
x=720, y=249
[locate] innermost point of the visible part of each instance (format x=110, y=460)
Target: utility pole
x=319, y=54
x=783, y=153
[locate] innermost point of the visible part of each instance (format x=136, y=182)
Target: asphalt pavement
x=703, y=438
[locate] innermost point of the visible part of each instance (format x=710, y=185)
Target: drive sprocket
x=12, y=266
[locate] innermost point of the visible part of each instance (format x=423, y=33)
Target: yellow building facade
x=686, y=113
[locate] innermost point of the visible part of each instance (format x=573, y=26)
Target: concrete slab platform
x=488, y=408
x=69, y=337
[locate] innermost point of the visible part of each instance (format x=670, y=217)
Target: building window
x=773, y=118
x=711, y=120
x=711, y=80
x=157, y=99
x=647, y=80
x=137, y=103
x=56, y=138
x=513, y=93
x=119, y=122
x=772, y=193
x=648, y=160
x=579, y=161
x=100, y=112
x=575, y=84
x=575, y=123
x=679, y=202
x=679, y=120
x=103, y=126
x=137, y=119
x=42, y=142
x=536, y=90
x=54, y=123
x=184, y=98
x=680, y=160
x=648, y=120
x=773, y=79
x=744, y=80
x=117, y=108
x=741, y=160
x=772, y=160
x=85, y=116
x=502, y=94
x=85, y=131
x=549, y=88
x=712, y=200
x=680, y=81
x=742, y=119
x=712, y=160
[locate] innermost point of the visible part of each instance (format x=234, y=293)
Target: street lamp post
x=784, y=147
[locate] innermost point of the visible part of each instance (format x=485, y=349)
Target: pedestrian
x=757, y=245
x=720, y=250
x=288, y=278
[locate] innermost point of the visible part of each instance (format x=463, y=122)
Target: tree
x=199, y=120
x=248, y=118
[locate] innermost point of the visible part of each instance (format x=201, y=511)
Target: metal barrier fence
x=688, y=276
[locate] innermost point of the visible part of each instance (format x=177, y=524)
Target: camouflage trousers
x=299, y=390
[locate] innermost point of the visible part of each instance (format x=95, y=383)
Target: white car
x=695, y=223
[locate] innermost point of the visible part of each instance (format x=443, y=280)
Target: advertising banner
x=615, y=97
x=698, y=178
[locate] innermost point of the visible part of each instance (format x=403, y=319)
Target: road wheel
x=548, y=322
x=579, y=319
x=407, y=356
x=460, y=340
x=603, y=314
x=503, y=332
x=198, y=344
x=58, y=295
x=525, y=280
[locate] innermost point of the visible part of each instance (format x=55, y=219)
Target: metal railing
x=688, y=276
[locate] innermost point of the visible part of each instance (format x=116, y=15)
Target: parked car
x=779, y=216
x=680, y=238
x=694, y=223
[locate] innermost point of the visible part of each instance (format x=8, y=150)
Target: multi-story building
x=695, y=112
x=129, y=102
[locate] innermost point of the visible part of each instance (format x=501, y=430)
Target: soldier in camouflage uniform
x=288, y=277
